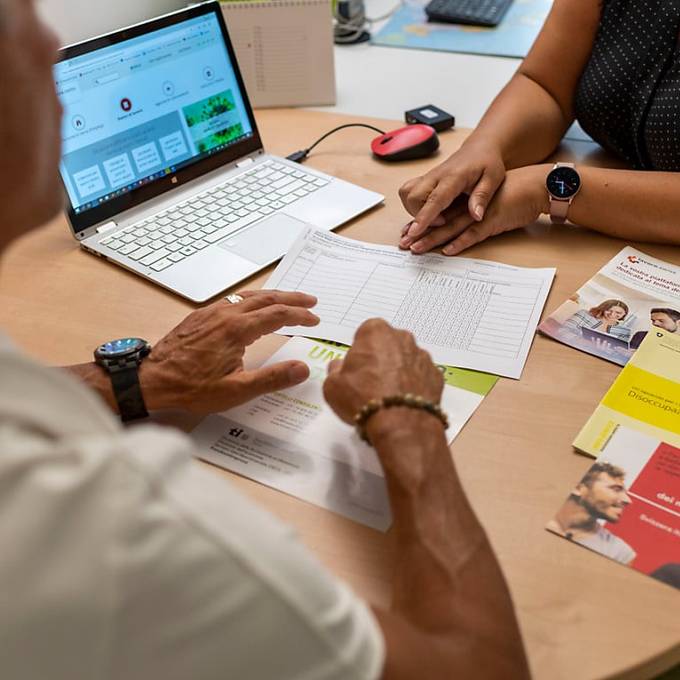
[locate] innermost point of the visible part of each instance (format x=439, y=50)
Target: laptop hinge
x=106, y=227
x=245, y=162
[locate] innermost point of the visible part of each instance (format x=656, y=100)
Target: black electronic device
x=473, y=12
x=121, y=359
x=430, y=115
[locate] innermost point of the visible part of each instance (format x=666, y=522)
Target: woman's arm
x=632, y=205
x=522, y=126
x=531, y=114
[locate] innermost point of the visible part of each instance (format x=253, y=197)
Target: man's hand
x=520, y=201
x=381, y=362
x=198, y=366
x=450, y=606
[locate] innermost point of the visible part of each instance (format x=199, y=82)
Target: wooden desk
x=582, y=615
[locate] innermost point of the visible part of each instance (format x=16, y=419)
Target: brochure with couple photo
x=627, y=506
x=613, y=312
x=293, y=442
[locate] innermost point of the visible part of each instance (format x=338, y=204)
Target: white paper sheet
x=292, y=441
x=469, y=313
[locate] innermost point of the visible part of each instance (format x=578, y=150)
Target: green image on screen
x=213, y=121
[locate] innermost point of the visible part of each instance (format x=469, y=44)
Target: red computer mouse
x=406, y=143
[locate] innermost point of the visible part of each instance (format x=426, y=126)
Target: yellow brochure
x=645, y=397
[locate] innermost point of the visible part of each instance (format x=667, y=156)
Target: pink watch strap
x=558, y=210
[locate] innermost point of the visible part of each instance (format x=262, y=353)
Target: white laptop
x=163, y=165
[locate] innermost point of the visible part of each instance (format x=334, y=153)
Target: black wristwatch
x=121, y=359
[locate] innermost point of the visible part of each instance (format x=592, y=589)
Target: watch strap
x=128, y=393
x=559, y=209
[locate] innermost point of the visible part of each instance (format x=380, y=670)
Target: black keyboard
x=474, y=12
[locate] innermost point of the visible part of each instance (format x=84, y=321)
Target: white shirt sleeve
x=210, y=586
x=124, y=559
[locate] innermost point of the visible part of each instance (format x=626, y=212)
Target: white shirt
x=121, y=557
x=604, y=542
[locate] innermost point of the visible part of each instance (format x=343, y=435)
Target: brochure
x=292, y=441
x=627, y=506
x=611, y=314
x=644, y=397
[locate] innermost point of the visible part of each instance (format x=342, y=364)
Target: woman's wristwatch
x=562, y=183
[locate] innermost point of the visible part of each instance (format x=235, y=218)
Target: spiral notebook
x=284, y=49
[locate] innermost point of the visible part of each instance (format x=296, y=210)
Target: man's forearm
x=97, y=379
x=447, y=583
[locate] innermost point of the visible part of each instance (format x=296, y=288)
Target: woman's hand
x=472, y=175
x=521, y=199
x=381, y=362
x=198, y=366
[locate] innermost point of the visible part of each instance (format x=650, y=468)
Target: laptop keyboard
x=185, y=229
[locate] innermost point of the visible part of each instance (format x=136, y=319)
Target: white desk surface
x=383, y=82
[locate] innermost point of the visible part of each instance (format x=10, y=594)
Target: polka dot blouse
x=628, y=98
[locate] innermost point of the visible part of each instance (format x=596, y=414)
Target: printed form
x=468, y=313
x=293, y=442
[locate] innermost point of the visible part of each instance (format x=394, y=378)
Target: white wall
x=74, y=20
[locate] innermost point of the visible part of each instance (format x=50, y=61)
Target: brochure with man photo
x=627, y=506
x=292, y=441
x=613, y=312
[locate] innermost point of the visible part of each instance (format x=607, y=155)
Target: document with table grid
x=469, y=313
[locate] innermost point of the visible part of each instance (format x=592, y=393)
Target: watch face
x=116, y=348
x=563, y=182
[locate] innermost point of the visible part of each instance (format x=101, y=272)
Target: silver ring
x=234, y=298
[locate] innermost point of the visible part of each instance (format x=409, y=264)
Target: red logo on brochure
x=632, y=259
x=125, y=104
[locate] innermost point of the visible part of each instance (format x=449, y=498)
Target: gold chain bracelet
x=408, y=400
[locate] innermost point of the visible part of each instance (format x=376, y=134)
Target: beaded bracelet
x=409, y=400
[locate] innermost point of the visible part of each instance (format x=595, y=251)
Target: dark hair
x=668, y=573
x=599, y=311
x=672, y=313
x=612, y=470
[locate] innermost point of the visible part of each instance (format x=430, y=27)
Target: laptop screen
x=140, y=110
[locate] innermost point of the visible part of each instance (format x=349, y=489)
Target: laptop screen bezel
x=80, y=222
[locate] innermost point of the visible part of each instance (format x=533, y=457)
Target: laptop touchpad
x=267, y=240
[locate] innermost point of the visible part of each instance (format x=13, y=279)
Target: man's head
x=30, y=191
x=666, y=318
x=602, y=493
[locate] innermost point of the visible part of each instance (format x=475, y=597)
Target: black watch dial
x=115, y=349
x=563, y=182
